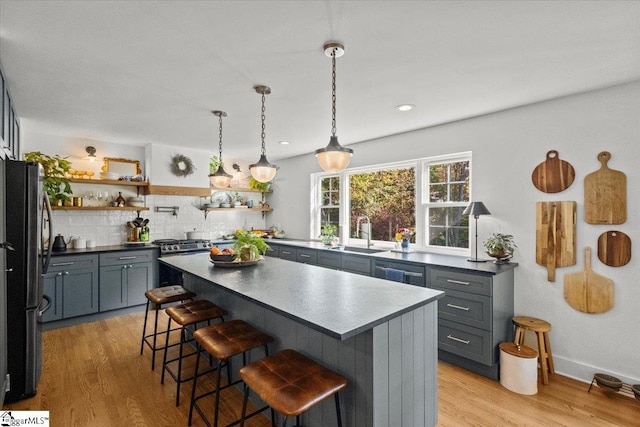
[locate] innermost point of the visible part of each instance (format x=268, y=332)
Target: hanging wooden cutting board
x=555, y=235
x=605, y=194
x=614, y=248
x=588, y=291
x=553, y=175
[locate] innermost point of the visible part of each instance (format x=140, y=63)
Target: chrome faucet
x=358, y=221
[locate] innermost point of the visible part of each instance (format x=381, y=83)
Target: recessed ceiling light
x=405, y=107
x=284, y=143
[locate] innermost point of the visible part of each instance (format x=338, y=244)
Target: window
x=387, y=197
x=330, y=201
x=447, y=195
x=425, y=195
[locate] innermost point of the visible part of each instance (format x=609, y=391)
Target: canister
x=518, y=368
x=77, y=201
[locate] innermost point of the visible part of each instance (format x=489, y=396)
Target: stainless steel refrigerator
x=28, y=213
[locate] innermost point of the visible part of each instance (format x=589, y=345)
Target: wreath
x=181, y=165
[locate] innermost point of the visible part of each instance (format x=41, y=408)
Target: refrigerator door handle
x=46, y=257
x=7, y=245
x=41, y=310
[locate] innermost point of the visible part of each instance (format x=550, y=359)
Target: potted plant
x=56, y=168
x=500, y=246
x=260, y=186
x=214, y=164
x=328, y=234
x=249, y=246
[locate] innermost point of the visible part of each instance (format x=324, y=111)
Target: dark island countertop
x=336, y=303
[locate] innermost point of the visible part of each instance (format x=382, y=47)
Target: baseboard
x=584, y=372
x=91, y=317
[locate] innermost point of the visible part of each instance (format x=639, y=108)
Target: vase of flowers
x=404, y=236
x=328, y=235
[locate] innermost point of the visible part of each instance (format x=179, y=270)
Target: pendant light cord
x=262, y=117
x=333, y=93
x=220, y=141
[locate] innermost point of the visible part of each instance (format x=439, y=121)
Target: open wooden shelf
x=109, y=182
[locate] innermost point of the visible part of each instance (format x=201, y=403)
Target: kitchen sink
x=363, y=250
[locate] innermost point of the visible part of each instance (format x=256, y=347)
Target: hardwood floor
x=93, y=375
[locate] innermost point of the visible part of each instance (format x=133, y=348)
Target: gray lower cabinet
x=287, y=252
x=473, y=317
x=71, y=285
x=307, y=256
x=360, y=264
x=330, y=260
x=125, y=277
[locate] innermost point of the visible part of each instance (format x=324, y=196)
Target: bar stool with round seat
x=541, y=328
x=223, y=341
x=159, y=297
x=187, y=315
x=291, y=384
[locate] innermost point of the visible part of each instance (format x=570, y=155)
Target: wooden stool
x=159, y=297
x=187, y=314
x=541, y=328
x=291, y=384
x=222, y=341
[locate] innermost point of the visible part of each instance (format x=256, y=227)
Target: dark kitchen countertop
x=437, y=260
x=100, y=249
x=336, y=303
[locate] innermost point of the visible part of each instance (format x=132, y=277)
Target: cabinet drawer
x=287, y=253
x=458, y=281
x=306, y=256
x=414, y=274
x=127, y=257
x=74, y=262
x=356, y=264
x=329, y=259
x=466, y=308
x=471, y=343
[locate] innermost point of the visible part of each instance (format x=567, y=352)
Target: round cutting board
x=614, y=248
x=553, y=175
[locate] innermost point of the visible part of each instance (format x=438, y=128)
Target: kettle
x=59, y=244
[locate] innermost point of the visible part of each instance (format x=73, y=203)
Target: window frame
x=421, y=167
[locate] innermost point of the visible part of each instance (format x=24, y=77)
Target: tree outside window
x=330, y=201
x=387, y=197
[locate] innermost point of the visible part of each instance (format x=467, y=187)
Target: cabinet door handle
x=66, y=273
x=59, y=274
x=61, y=264
x=458, y=339
x=286, y=252
x=126, y=257
x=458, y=307
x=458, y=282
x=125, y=266
x=9, y=270
x=130, y=266
x=305, y=256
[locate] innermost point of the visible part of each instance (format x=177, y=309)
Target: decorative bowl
x=608, y=382
x=636, y=390
x=223, y=257
x=225, y=205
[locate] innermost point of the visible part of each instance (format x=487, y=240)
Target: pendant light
x=263, y=171
x=220, y=179
x=334, y=157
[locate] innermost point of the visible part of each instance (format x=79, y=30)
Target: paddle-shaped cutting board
x=555, y=235
x=553, y=175
x=614, y=248
x=588, y=291
x=605, y=194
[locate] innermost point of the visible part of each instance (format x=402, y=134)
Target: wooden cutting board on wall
x=614, y=248
x=605, y=194
x=588, y=291
x=555, y=235
x=553, y=175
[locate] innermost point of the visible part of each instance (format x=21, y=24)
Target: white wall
x=506, y=147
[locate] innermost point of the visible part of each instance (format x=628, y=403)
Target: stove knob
x=207, y=244
x=175, y=247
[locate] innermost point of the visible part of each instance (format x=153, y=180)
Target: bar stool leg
x=144, y=328
x=244, y=407
x=543, y=359
x=166, y=346
x=338, y=410
x=193, y=387
x=549, y=354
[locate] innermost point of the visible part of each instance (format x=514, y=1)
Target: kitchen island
x=380, y=335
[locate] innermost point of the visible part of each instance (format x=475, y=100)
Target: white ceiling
x=140, y=72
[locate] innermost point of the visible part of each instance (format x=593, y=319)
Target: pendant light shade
x=334, y=157
x=263, y=171
x=221, y=178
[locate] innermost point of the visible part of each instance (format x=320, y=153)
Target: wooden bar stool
x=186, y=315
x=541, y=328
x=160, y=297
x=223, y=341
x=291, y=384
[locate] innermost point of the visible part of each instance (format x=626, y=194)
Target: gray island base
x=380, y=335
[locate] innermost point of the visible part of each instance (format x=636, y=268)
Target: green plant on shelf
x=56, y=168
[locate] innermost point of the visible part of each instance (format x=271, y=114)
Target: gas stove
x=174, y=246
